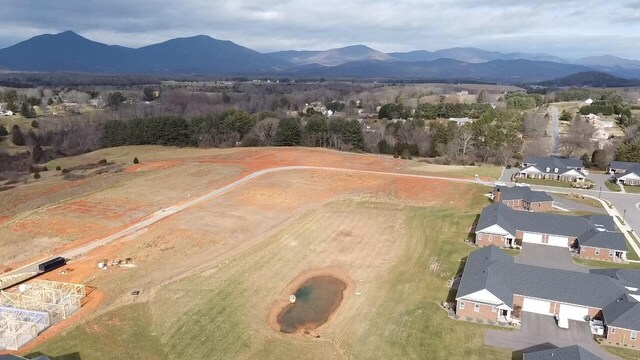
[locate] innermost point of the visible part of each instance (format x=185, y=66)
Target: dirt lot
x=208, y=275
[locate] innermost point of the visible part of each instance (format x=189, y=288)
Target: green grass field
x=612, y=187
x=562, y=184
x=622, y=353
x=632, y=189
x=398, y=256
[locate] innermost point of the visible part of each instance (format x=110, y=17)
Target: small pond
x=316, y=299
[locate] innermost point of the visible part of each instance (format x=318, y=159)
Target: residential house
x=625, y=173
x=462, y=121
x=522, y=198
x=552, y=167
x=588, y=236
x=588, y=101
x=574, y=352
x=495, y=288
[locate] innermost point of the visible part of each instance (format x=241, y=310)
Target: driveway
x=568, y=204
x=508, y=173
x=553, y=257
x=599, y=180
x=539, y=332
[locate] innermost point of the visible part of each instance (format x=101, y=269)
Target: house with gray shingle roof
x=522, y=198
x=573, y=352
x=552, y=167
x=494, y=288
x=625, y=173
x=592, y=236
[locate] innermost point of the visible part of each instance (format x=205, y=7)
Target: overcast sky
x=559, y=27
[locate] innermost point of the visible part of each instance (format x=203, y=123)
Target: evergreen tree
x=288, y=133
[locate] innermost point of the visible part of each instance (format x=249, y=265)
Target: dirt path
x=164, y=213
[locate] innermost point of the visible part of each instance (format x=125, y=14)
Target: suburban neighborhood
x=531, y=265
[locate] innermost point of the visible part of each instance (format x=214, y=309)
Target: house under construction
x=32, y=307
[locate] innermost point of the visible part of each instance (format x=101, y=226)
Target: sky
x=565, y=28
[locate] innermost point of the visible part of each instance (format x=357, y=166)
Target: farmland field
x=209, y=276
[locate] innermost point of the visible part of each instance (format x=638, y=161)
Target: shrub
x=36, y=176
x=396, y=155
x=65, y=171
x=16, y=136
x=135, y=160
x=3, y=131
x=34, y=124
x=102, y=162
x=58, y=168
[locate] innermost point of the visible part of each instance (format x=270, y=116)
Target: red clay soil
x=155, y=165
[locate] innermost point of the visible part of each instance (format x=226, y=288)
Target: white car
x=522, y=185
x=499, y=183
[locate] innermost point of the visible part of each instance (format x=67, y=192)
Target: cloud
x=566, y=28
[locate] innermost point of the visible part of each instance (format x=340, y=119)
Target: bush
x=102, y=162
x=34, y=124
x=16, y=136
x=135, y=160
x=36, y=176
x=58, y=168
x=396, y=155
x=65, y=171
x=3, y=131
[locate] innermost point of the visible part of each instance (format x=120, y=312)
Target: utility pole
x=624, y=217
x=600, y=193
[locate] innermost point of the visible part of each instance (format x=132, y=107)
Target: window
x=555, y=170
x=597, y=251
x=613, y=330
x=547, y=169
x=461, y=305
x=634, y=335
x=476, y=308
x=611, y=253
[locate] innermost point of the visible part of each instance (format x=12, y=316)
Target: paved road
x=555, y=132
x=540, y=332
x=164, y=213
x=561, y=201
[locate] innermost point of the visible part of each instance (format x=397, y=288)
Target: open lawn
x=632, y=189
x=398, y=255
x=612, y=187
x=563, y=184
x=605, y=264
x=622, y=353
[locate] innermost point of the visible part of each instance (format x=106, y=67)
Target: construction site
x=30, y=308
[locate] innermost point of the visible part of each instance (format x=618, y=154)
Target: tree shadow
x=453, y=290
x=70, y=356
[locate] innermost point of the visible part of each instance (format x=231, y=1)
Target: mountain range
x=70, y=52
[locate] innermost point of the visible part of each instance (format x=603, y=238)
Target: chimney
x=497, y=196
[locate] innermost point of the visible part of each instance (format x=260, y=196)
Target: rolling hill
x=591, y=78
x=332, y=57
x=69, y=51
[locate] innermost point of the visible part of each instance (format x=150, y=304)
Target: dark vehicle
x=52, y=264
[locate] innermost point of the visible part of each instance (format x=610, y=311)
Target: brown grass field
x=209, y=275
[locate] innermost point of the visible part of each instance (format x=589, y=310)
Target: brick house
x=625, y=173
x=589, y=236
x=522, y=198
x=496, y=288
x=553, y=168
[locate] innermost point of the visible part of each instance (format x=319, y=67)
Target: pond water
x=316, y=299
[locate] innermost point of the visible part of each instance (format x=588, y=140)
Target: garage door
x=536, y=306
x=558, y=241
x=532, y=238
x=573, y=312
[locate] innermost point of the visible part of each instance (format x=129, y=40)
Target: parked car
x=522, y=185
x=499, y=183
